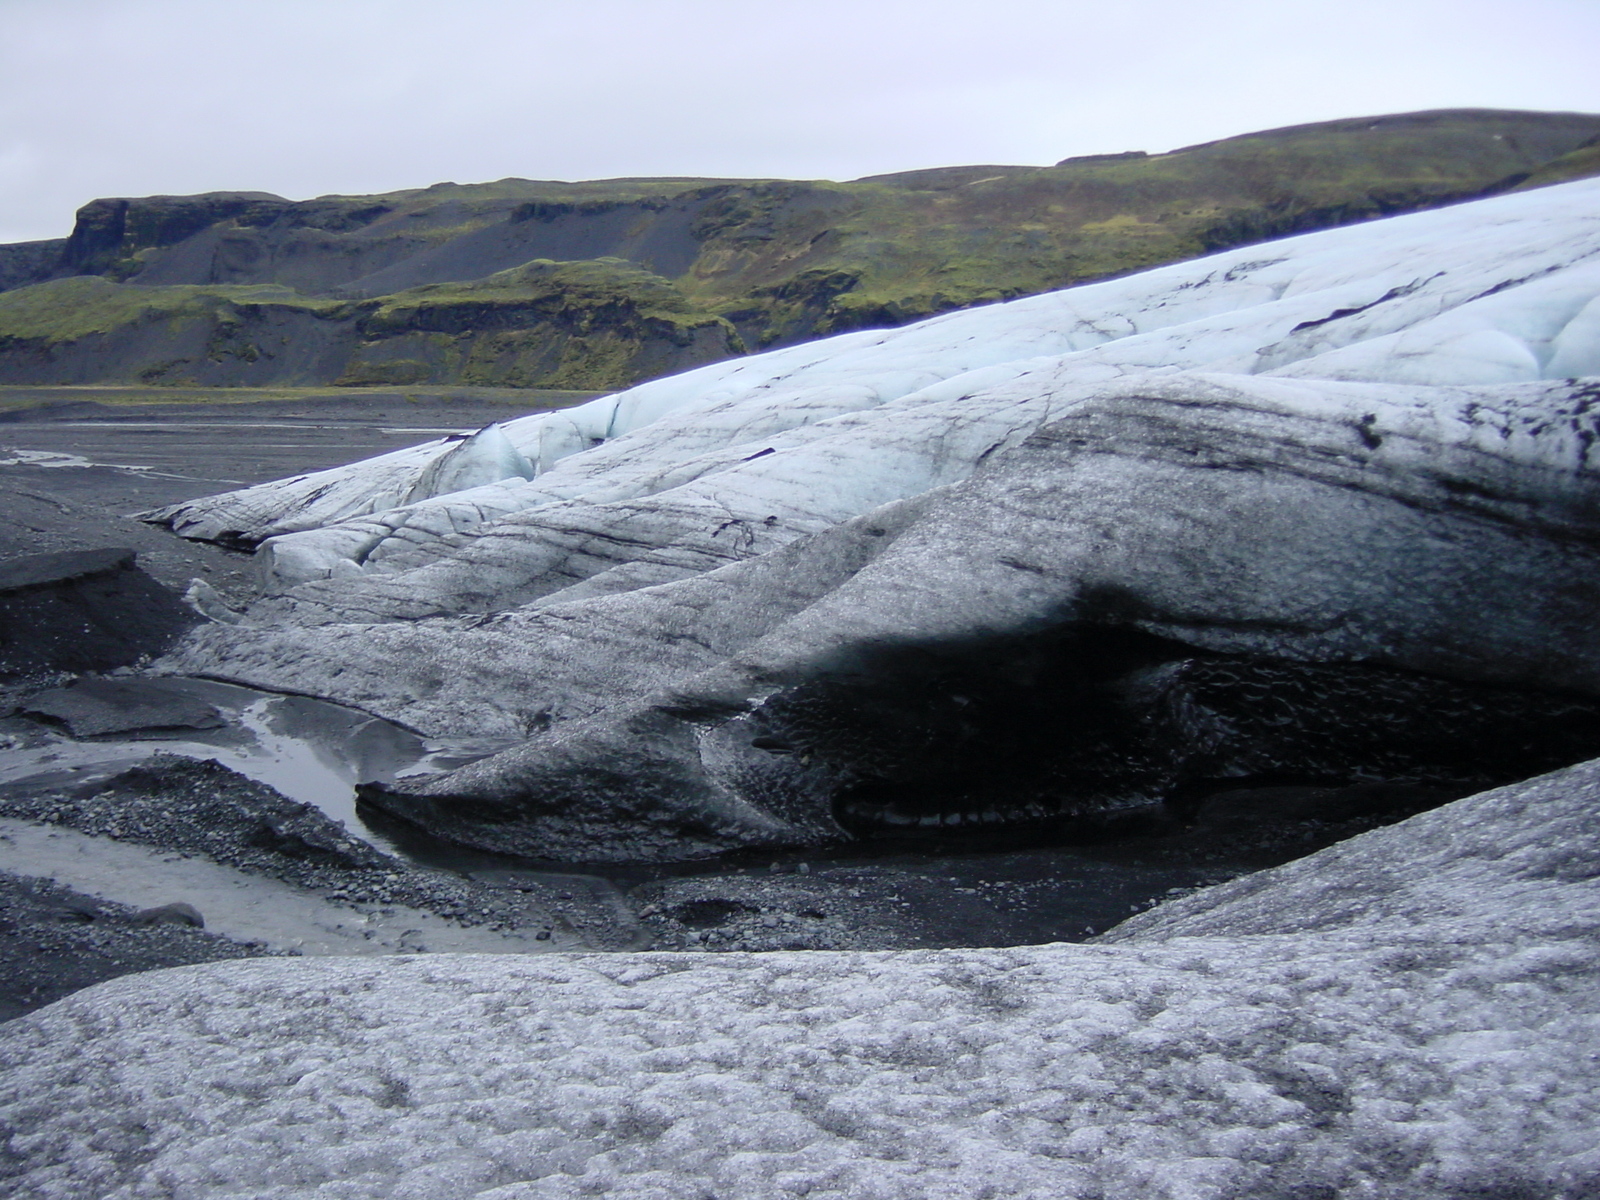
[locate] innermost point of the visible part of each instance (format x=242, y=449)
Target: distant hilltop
x=600, y=284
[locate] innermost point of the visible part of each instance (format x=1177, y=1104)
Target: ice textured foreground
x=1413, y=1013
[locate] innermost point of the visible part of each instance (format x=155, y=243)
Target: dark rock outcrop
x=22, y=263
x=83, y=610
x=89, y=707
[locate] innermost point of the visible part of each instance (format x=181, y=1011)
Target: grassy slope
x=598, y=324
x=64, y=310
x=601, y=323
x=1582, y=163
x=774, y=261
x=898, y=252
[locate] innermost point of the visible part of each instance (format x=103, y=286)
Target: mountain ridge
x=701, y=269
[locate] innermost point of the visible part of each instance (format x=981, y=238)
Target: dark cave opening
x=1089, y=732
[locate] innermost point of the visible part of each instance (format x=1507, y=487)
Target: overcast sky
x=309, y=97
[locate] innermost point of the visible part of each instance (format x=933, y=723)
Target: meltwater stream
x=309, y=750
x=315, y=752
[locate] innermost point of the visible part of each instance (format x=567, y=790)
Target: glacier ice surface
x=1408, y=1014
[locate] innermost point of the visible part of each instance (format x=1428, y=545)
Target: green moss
x=599, y=323
x=928, y=241
x=65, y=310
x=1583, y=163
x=392, y=372
x=775, y=261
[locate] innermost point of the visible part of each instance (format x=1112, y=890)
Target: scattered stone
x=178, y=913
x=1407, y=1015
x=201, y=807
x=55, y=941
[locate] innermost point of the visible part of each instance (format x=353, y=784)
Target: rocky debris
x=924, y=892
x=904, y=903
x=1407, y=1014
x=778, y=912
x=177, y=913
x=83, y=610
x=201, y=807
x=92, y=706
x=921, y=891
x=54, y=941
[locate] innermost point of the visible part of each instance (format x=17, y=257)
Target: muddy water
x=316, y=753
x=245, y=907
x=310, y=751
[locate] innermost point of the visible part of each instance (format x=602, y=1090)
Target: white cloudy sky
x=307, y=97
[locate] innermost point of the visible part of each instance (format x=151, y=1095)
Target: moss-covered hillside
x=585, y=325
x=600, y=284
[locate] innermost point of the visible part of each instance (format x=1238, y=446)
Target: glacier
x=1494, y=292
x=1357, y=446
x=1347, y=477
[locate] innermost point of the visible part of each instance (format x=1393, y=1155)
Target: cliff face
x=589, y=325
x=600, y=284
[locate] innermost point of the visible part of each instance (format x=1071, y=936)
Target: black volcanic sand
x=928, y=893
x=158, y=446
x=204, y=809
x=54, y=940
